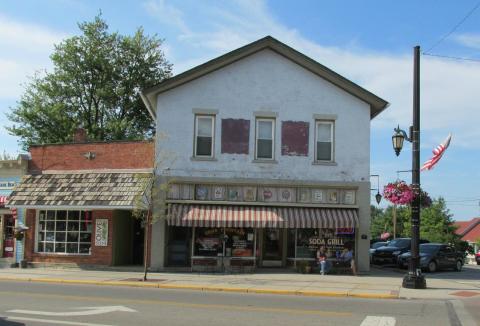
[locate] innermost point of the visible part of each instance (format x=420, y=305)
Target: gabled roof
x=469, y=230
x=376, y=103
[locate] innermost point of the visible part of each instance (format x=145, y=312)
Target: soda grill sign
x=7, y=185
x=331, y=238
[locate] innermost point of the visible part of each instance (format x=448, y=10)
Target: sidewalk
x=379, y=284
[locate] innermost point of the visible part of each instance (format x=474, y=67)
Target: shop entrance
x=272, y=247
x=179, y=246
x=138, y=241
x=8, y=239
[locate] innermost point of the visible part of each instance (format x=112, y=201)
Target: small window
x=204, y=134
x=265, y=140
x=324, y=141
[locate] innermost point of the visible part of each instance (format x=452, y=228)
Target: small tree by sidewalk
x=149, y=207
x=150, y=204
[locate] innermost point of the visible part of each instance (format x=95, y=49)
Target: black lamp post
x=378, y=197
x=414, y=279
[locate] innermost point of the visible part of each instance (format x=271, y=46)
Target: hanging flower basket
x=398, y=192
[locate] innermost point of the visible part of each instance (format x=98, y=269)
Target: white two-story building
x=267, y=157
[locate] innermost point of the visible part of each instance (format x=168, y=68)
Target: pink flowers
x=399, y=193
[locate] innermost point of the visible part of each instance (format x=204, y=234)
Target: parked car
x=477, y=257
x=388, y=254
x=374, y=246
x=435, y=256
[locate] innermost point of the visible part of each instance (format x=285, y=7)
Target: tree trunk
x=145, y=247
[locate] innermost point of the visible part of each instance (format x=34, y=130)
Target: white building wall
x=265, y=81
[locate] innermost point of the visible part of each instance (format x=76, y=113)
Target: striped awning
x=3, y=200
x=260, y=216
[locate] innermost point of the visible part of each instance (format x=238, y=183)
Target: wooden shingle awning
x=260, y=216
x=78, y=190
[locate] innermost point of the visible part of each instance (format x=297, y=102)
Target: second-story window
x=265, y=139
x=204, y=135
x=324, y=141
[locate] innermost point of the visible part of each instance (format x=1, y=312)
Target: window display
x=208, y=242
x=240, y=242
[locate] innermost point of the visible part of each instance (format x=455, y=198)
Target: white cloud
x=449, y=94
x=26, y=50
x=469, y=40
x=167, y=14
x=26, y=36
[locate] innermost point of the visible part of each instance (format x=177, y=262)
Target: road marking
x=53, y=321
x=183, y=304
x=378, y=321
x=89, y=312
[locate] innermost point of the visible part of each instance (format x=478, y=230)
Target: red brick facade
x=115, y=155
x=98, y=256
x=123, y=155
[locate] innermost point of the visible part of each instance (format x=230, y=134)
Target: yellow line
x=207, y=288
x=182, y=304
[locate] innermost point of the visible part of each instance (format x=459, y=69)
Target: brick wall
x=99, y=255
x=112, y=155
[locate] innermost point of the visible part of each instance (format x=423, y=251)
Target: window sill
x=196, y=158
x=324, y=163
x=265, y=161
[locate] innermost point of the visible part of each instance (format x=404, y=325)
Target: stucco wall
x=264, y=81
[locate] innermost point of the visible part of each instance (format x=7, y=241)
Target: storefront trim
x=202, y=202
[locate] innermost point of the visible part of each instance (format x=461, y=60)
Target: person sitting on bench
x=347, y=258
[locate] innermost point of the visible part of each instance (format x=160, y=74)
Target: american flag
x=437, y=154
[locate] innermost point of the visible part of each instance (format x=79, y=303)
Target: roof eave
x=377, y=104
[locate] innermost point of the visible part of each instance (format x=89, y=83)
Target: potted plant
x=303, y=266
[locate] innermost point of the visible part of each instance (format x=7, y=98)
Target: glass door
x=272, y=248
x=8, y=236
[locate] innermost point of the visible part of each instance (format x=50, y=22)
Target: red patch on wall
x=295, y=138
x=235, y=136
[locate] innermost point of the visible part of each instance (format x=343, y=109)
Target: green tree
x=382, y=220
x=436, y=224
x=95, y=84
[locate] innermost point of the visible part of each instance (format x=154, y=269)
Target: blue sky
x=369, y=42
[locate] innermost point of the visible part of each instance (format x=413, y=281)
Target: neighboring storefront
x=79, y=200
x=11, y=220
x=213, y=227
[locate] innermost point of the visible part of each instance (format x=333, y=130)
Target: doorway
x=8, y=238
x=179, y=246
x=138, y=241
x=272, y=248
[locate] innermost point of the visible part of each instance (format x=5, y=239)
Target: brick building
x=79, y=198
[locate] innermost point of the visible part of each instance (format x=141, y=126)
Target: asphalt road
x=23, y=303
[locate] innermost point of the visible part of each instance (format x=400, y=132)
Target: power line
x=454, y=28
x=450, y=57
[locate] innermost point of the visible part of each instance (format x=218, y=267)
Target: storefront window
x=305, y=247
x=334, y=241
x=240, y=242
x=208, y=242
x=67, y=232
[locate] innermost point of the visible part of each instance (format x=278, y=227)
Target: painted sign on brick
x=101, y=232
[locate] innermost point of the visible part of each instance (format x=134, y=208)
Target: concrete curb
x=346, y=293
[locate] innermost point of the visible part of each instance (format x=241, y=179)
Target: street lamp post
x=414, y=278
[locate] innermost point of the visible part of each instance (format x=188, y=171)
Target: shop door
x=272, y=248
x=8, y=238
x=179, y=246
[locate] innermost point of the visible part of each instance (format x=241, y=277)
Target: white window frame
x=195, y=136
x=257, y=120
x=332, y=138
x=37, y=240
